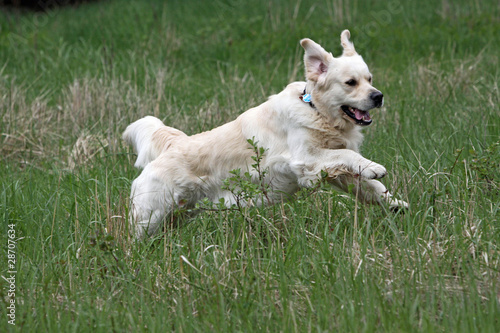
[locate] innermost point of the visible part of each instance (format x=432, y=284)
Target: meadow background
x=72, y=79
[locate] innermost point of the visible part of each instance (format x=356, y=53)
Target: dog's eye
x=351, y=82
x=370, y=79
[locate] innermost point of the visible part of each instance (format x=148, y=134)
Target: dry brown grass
x=443, y=81
x=87, y=119
x=91, y=113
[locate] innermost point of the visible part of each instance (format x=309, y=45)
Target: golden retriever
x=307, y=128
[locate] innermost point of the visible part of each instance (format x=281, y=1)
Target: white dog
x=307, y=128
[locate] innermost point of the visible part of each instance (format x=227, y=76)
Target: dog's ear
x=347, y=44
x=316, y=59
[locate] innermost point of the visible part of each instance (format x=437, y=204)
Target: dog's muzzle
x=362, y=117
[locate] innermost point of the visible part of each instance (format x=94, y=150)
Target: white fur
x=300, y=142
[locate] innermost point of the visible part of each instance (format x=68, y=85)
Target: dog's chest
x=336, y=139
x=329, y=133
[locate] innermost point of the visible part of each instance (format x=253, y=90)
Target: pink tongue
x=361, y=114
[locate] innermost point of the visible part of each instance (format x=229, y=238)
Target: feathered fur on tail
x=149, y=137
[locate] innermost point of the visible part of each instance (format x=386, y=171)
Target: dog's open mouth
x=360, y=117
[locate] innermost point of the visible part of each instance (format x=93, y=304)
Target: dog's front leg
x=335, y=162
x=367, y=190
x=350, y=162
x=360, y=175
x=346, y=168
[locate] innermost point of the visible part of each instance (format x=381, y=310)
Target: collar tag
x=306, y=98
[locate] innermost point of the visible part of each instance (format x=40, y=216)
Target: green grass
x=73, y=78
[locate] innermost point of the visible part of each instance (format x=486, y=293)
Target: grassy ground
x=73, y=78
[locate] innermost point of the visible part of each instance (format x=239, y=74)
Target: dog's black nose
x=377, y=97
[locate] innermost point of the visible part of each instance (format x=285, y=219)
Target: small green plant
x=486, y=165
x=481, y=165
x=102, y=254
x=249, y=188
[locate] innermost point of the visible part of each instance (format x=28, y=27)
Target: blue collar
x=307, y=98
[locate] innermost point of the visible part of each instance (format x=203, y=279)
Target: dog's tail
x=149, y=137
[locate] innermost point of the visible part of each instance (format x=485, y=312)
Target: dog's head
x=340, y=86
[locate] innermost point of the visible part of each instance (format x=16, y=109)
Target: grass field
x=72, y=79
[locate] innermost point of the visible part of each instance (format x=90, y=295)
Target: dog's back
x=149, y=137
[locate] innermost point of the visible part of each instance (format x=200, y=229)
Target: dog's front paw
x=373, y=171
x=398, y=205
